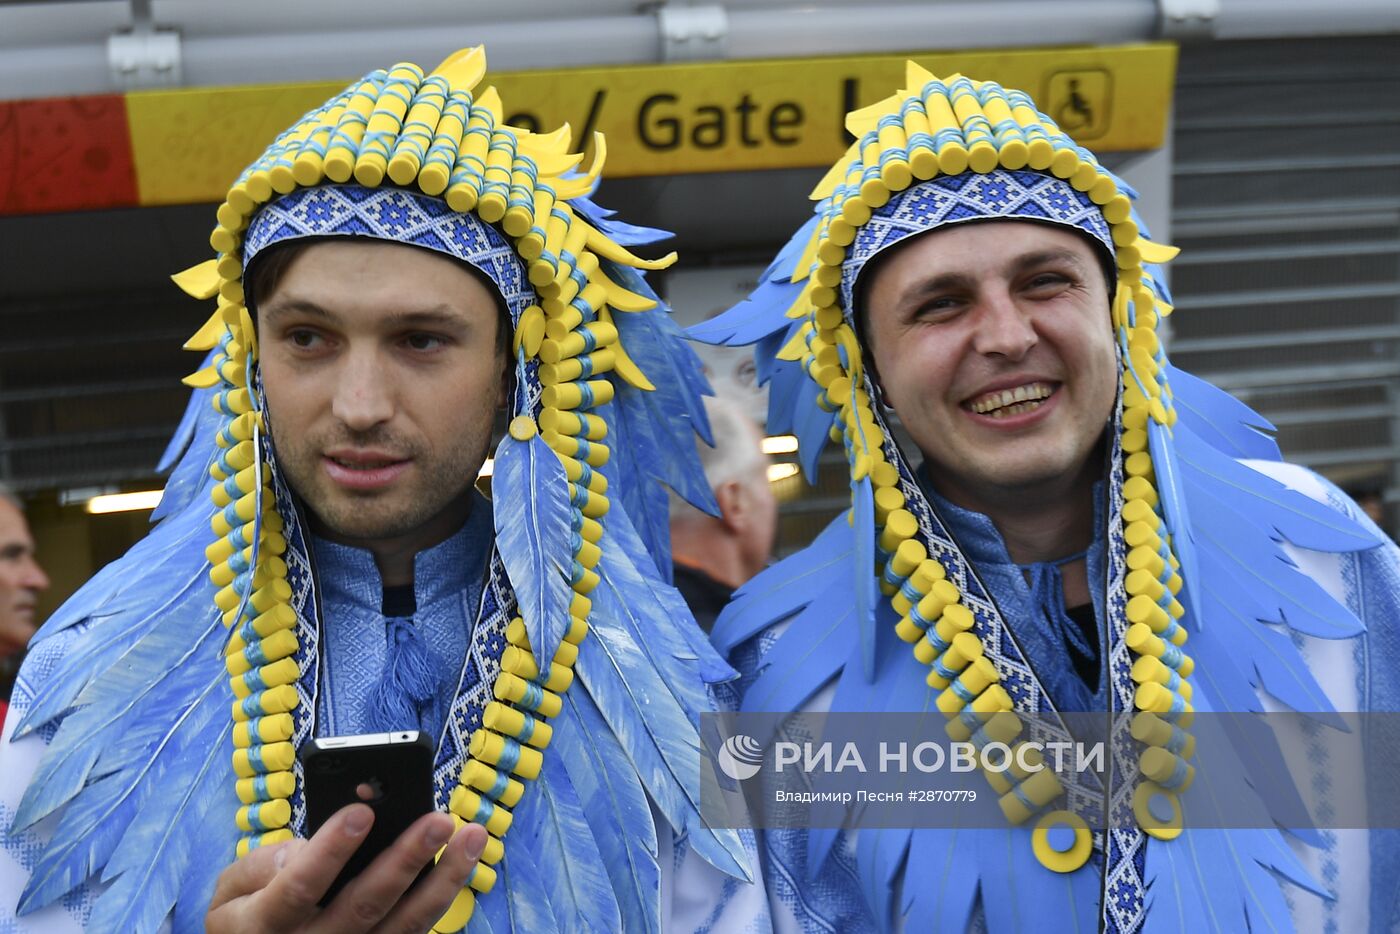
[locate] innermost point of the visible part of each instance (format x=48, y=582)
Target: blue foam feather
x=806, y=656
x=139, y=899
x=1218, y=417
x=943, y=898
x=1262, y=578
x=657, y=733
x=534, y=538
x=778, y=591
x=551, y=821
x=1175, y=513
x=124, y=690
x=863, y=572
x=1299, y=518
x=615, y=807
x=685, y=640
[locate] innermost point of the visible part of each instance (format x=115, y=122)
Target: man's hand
x=275, y=890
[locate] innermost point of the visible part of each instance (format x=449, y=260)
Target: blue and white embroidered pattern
x=953, y=199
x=397, y=216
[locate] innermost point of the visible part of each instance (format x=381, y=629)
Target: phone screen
x=391, y=772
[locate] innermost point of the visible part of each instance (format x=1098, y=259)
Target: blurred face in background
x=21, y=580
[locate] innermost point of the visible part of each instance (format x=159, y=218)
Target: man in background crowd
x=713, y=555
x=21, y=582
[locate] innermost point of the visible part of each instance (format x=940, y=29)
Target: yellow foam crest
x=623, y=365
x=464, y=68
x=200, y=280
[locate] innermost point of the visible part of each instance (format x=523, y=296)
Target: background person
x=713, y=555
x=21, y=582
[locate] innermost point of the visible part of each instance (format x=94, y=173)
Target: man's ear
x=733, y=505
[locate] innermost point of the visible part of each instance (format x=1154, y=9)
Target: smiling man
x=1077, y=527
x=395, y=273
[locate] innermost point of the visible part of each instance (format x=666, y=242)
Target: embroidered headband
x=1001, y=194
x=399, y=216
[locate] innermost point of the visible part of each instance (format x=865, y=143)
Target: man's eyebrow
x=939, y=283
x=1042, y=257
x=286, y=307
x=441, y=316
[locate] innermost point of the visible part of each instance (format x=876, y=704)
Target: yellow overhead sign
x=189, y=145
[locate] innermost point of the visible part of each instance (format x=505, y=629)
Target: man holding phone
x=396, y=269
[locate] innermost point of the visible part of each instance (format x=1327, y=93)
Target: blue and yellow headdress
x=590, y=673
x=1189, y=529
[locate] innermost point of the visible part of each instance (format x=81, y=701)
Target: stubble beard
x=432, y=486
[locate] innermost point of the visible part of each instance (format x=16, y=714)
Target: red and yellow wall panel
x=186, y=146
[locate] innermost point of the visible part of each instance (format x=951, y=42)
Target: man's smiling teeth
x=1008, y=402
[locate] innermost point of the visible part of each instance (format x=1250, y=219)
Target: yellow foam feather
x=803, y=266
x=916, y=76
x=605, y=248
x=623, y=365
x=199, y=281
x=209, y=333
x=250, y=334
x=796, y=347
x=490, y=100
x=464, y=68
x=1154, y=252
x=557, y=140
x=835, y=175
x=619, y=298
x=862, y=121
x=553, y=165
x=574, y=187
x=529, y=334
x=203, y=379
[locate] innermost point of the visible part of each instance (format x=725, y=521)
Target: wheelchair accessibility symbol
x=1079, y=101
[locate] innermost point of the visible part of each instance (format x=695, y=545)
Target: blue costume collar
x=440, y=572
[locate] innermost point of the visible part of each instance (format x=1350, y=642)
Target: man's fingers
x=252, y=873
x=429, y=901
x=366, y=900
x=291, y=895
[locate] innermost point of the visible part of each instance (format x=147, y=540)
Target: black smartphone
x=391, y=772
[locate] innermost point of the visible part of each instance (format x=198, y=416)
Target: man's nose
x=34, y=577
x=1005, y=329
x=363, y=394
